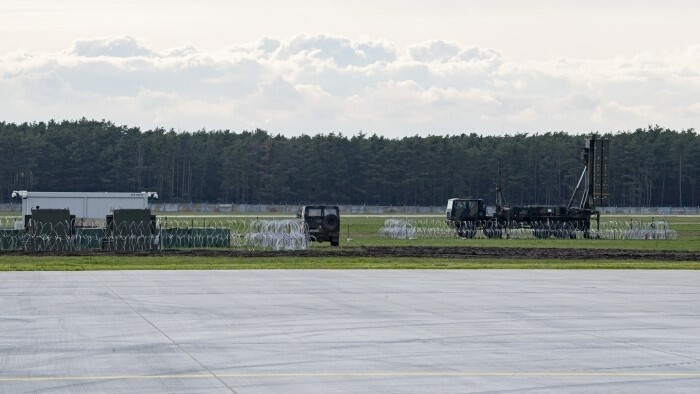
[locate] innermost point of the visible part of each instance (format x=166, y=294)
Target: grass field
x=360, y=230
x=363, y=231
x=107, y=262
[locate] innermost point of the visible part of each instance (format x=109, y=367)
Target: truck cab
x=464, y=209
x=465, y=215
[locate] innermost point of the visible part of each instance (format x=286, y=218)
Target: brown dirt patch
x=409, y=251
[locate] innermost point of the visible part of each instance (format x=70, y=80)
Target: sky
x=385, y=67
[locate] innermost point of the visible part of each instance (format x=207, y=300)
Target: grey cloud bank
x=322, y=83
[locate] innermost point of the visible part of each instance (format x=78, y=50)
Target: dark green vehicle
x=322, y=223
x=468, y=216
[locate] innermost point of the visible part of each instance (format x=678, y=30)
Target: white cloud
x=340, y=51
x=450, y=52
x=434, y=51
x=114, y=47
x=694, y=108
x=322, y=83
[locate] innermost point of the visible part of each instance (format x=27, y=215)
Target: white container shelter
x=84, y=205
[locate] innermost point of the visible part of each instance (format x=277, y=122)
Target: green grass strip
x=97, y=263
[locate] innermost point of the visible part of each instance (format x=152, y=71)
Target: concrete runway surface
x=326, y=331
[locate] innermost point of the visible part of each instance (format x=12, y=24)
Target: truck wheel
x=335, y=241
x=493, y=230
x=466, y=229
x=541, y=231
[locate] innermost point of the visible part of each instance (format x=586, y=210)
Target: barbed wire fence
x=245, y=234
x=621, y=230
x=413, y=229
x=635, y=229
x=49, y=236
x=287, y=234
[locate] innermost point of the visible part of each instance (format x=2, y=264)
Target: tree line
x=648, y=167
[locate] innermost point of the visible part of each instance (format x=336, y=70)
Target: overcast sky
x=388, y=67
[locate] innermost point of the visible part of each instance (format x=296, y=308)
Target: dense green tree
x=648, y=167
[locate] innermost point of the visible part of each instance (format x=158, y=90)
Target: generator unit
x=50, y=230
x=131, y=229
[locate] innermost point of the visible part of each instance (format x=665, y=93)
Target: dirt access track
x=406, y=251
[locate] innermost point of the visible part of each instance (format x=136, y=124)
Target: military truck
x=322, y=223
x=469, y=215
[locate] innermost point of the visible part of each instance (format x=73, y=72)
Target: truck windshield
x=473, y=208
